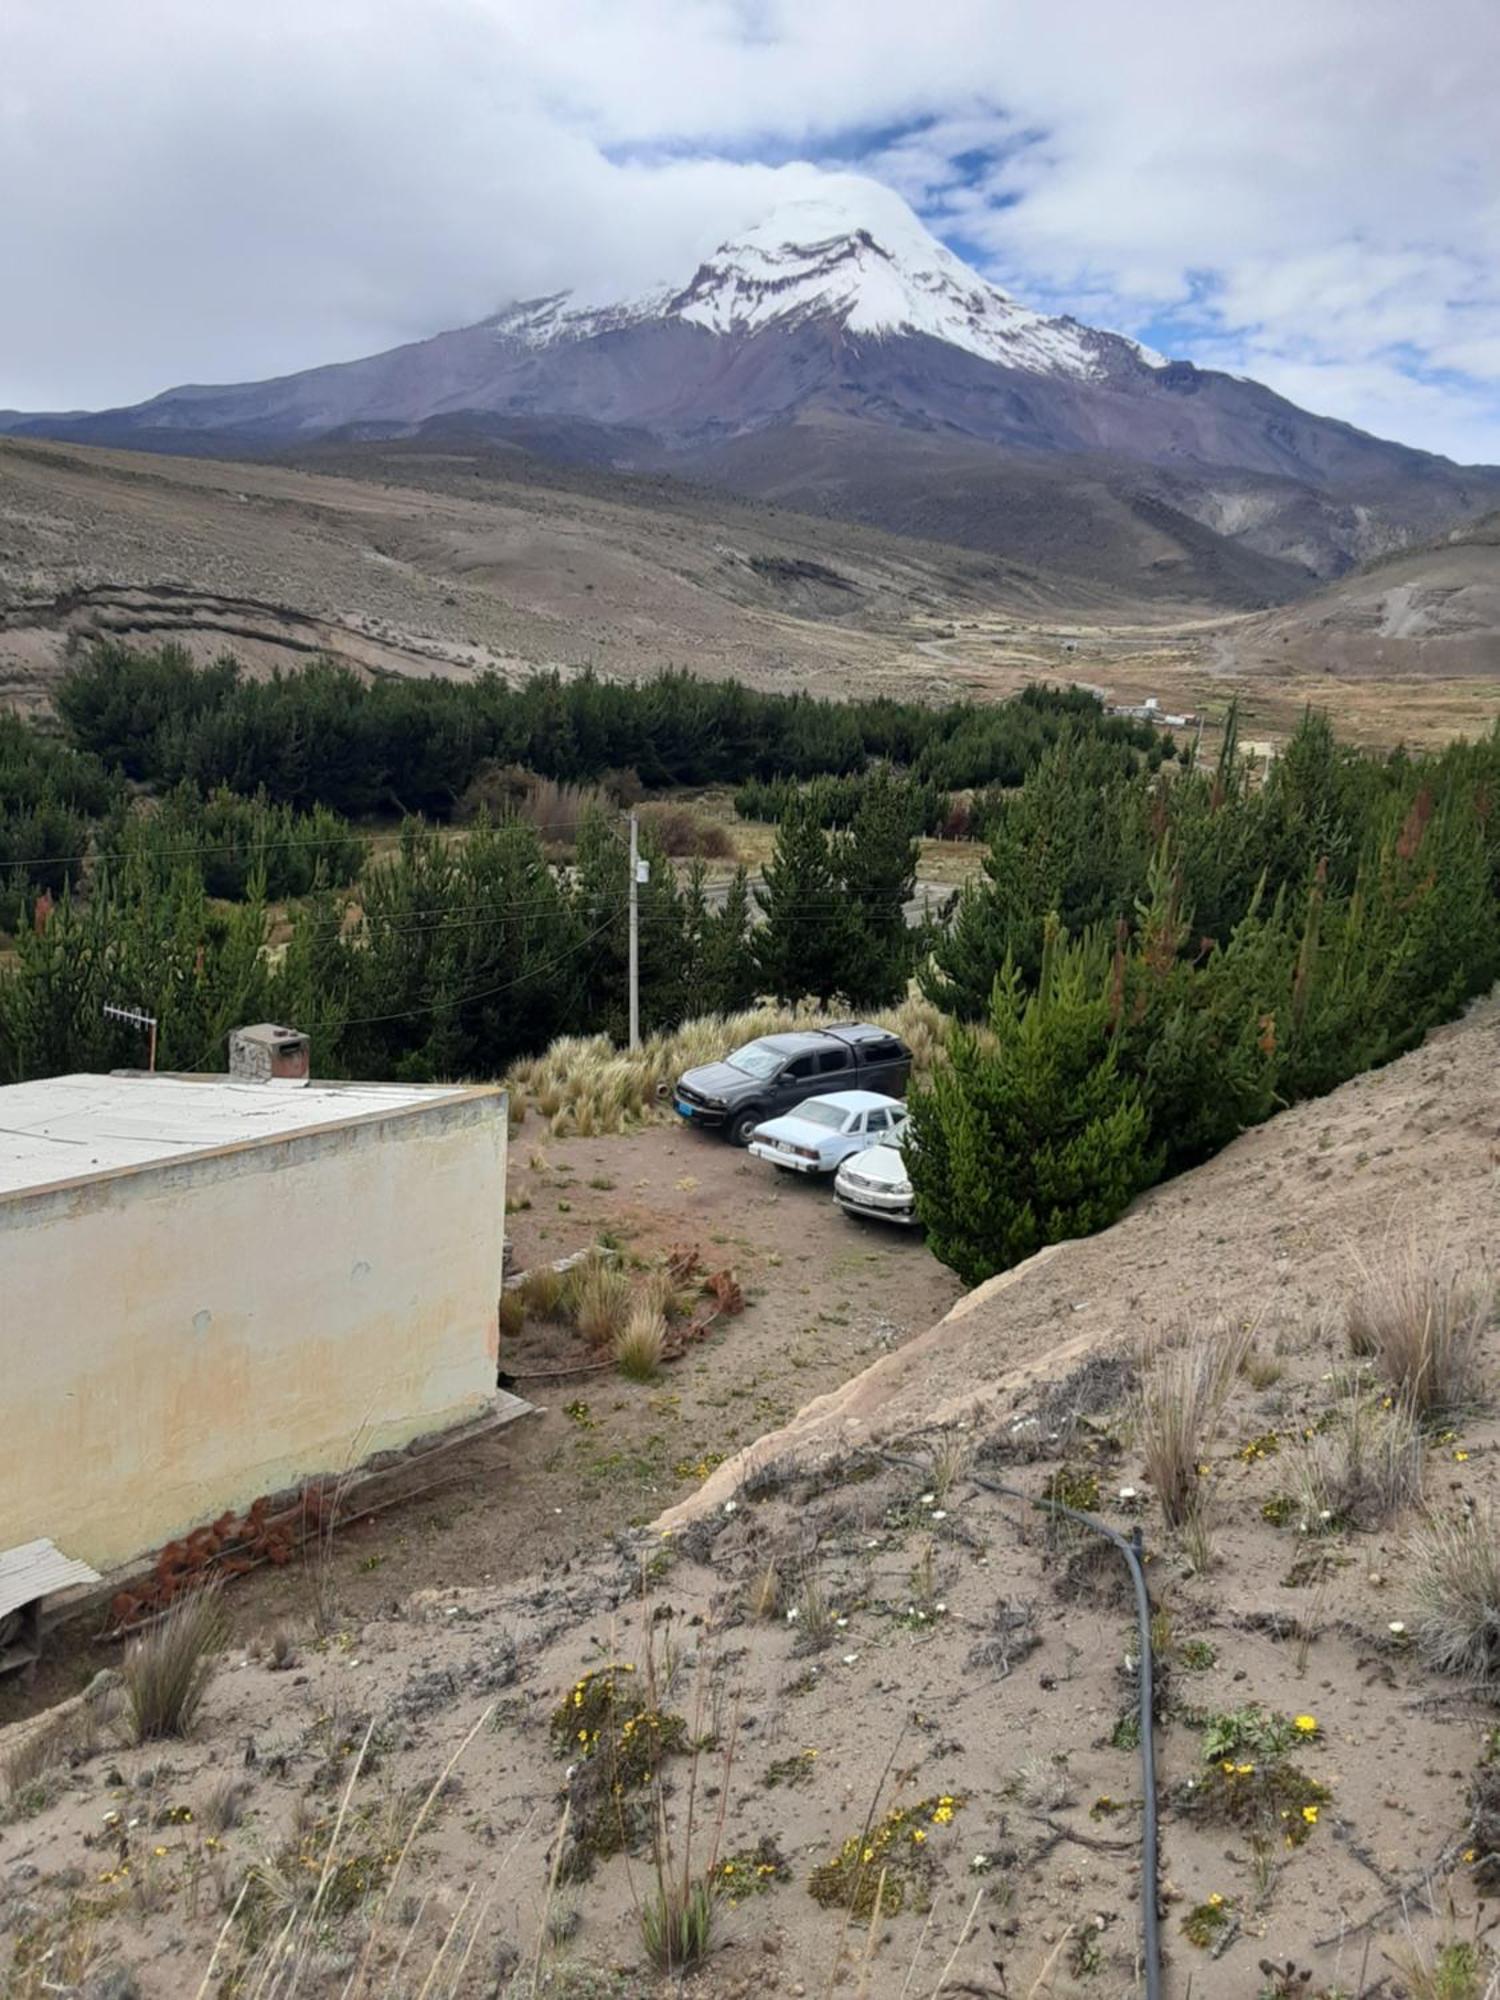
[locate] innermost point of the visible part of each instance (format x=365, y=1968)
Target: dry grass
x=587, y=1088
x=639, y=1343
x=1364, y=1470
x=1456, y=1581
x=167, y=1671
x=677, y=1924
x=511, y=1313
x=1423, y=1325
x=662, y=1293
x=1175, y=1413
x=602, y=1302
x=542, y=1293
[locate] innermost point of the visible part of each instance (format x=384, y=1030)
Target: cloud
x=1309, y=193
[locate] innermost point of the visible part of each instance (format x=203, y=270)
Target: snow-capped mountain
x=834, y=356
x=862, y=262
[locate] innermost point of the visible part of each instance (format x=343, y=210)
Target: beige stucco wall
x=178, y=1339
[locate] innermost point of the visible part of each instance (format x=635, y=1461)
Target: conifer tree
x=804, y=944
x=877, y=864
x=1034, y=1133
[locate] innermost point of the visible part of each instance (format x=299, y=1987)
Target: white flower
x=1326, y=1515
x=940, y=1514
x=1397, y=1628
x=841, y=1622
x=731, y=1506
x=928, y=1499
x=793, y=1615
x=980, y=1864
x=940, y=1607
x=1127, y=1493
x=850, y=1658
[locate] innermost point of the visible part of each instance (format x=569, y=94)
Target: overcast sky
x=1307, y=191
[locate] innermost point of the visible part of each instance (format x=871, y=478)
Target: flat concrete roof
x=66, y=1128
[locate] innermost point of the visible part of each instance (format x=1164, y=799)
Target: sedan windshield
x=819, y=1113
x=756, y=1060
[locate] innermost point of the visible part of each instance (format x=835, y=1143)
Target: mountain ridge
x=844, y=310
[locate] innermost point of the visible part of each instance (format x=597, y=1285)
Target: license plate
x=686, y=1110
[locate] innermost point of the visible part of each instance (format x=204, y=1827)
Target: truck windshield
x=756, y=1060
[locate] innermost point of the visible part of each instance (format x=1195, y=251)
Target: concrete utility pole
x=635, y=933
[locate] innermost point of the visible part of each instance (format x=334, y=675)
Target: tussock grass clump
x=1364, y=1469
x=639, y=1344
x=677, y=1924
x=1175, y=1413
x=167, y=1670
x=542, y=1293
x=1423, y=1326
x=1456, y=1565
x=662, y=1291
x=602, y=1302
x=511, y=1313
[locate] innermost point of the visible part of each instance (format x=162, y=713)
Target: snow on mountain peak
x=852, y=253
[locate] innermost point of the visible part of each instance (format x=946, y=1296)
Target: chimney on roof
x=265, y=1053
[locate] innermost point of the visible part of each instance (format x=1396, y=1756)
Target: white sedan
x=824, y=1131
x=877, y=1184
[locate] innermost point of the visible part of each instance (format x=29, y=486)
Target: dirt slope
x=936, y=1662
x=447, y=562
x=1432, y=611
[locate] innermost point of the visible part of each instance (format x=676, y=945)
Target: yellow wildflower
x=1310, y=1814
x=1215, y=1900
x=918, y=1835
x=1305, y=1725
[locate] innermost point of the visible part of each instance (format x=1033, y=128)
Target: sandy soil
x=952, y=1659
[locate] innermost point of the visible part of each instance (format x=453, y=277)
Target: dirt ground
x=826, y=1296
x=875, y=1653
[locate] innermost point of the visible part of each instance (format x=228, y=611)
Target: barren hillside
x=897, y=1675
x=431, y=562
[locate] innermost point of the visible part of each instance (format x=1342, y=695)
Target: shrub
x=168, y=1669
x=1365, y=1469
x=639, y=1343
x=682, y=832
x=602, y=1302
x=1423, y=1327
x=1456, y=1560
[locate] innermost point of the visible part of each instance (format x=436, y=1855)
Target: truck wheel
x=742, y=1127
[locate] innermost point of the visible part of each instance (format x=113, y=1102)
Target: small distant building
x=213, y=1289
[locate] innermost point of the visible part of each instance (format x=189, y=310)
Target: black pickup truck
x=770, y=1076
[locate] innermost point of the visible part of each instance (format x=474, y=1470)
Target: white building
x=212, y=1290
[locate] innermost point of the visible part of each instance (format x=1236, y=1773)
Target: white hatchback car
x=824, y=1131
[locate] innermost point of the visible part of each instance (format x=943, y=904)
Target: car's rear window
x=817, y=1112
x=755, y=1059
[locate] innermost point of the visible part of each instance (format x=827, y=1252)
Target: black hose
x=1130, y=1546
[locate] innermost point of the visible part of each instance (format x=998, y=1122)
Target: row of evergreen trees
x=1147, y=970
x=323, y=737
